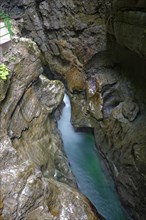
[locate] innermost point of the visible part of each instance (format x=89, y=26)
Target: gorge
x=91, y=176
x=98, y=50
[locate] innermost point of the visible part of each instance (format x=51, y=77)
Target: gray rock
x=35, y=174
x=76, y=48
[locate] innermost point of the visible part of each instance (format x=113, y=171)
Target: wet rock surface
x=116, y=135
x=65, y=33
x=36, y=180
x=105, y=95
x=27, y=194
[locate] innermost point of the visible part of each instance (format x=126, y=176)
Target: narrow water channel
x=87, y=168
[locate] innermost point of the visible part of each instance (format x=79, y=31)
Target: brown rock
x=34, y=155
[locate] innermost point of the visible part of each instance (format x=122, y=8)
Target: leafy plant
x=4, y=72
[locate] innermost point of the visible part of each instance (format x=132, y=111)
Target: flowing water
x=86, y=165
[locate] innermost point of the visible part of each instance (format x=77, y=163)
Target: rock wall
x=103, y=67
x=36, y=180
x=127, y=22
x=65, y=33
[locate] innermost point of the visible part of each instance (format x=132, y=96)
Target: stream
x=92, y=179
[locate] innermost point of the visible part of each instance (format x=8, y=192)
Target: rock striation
x=97, y=48
x=36, y=180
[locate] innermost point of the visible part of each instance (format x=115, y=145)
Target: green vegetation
x=4, y=17
x=4, y=72
x=14, y=58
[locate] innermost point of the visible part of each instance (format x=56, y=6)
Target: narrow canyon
x=95, y=52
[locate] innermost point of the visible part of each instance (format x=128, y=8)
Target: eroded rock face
x=36, y=180
x=26, y=194
x=72, y=38
x=119, y=135
x=65, y=33
x=118, y=116
x=75, y=49
x=116, y=111
x=127, y=23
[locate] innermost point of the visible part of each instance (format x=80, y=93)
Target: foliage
x=5, y=17
x=4, y=72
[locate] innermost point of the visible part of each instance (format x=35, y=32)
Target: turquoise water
x=87, y=168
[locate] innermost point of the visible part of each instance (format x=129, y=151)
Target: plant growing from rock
x=4, y=72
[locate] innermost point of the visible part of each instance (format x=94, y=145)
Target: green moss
x=4, y=72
